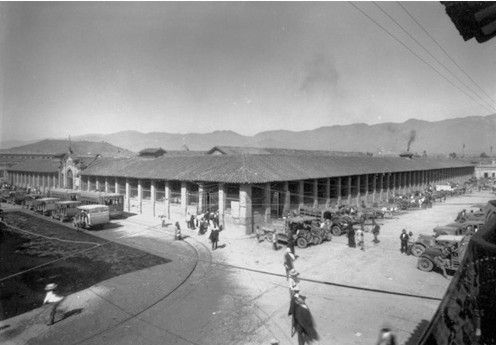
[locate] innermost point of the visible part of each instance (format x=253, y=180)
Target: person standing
x=178, y=235
x=291, y=241
x=302, y=320
x=351, y=236
x=293, y=282
x=386, y=337
x=442, y=260
x=375, y=231
x=404, y=241
x=360, y=239
x=53, y=299
x=289, y=259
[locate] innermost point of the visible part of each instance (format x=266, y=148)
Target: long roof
x=258, y=168
x=37, y=165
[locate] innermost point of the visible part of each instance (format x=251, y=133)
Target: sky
x=73, y=68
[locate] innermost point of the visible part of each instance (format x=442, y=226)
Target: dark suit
x=404, y=242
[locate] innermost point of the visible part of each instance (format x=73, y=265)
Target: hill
x=78, y=147
x=477, y=133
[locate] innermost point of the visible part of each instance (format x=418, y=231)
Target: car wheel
x=301, y=242
x=336, y=230
x=424, y=264
x=417, y=250
x=328, y=236
x=316, y=240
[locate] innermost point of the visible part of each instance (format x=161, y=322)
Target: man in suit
x=404, y=241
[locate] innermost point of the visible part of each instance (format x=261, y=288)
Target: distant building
x=486, y=170
x=248, y=186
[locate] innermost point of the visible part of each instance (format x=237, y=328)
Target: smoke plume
x=413, y=134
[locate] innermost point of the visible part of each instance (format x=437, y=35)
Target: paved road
x=238, y=295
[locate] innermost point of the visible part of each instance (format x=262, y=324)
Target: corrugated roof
x=261, y=168
x=37, y=165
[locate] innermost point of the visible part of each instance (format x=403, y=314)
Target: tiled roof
x=37, y=165
x=252, y=168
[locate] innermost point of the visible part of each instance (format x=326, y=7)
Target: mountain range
x=468, y=135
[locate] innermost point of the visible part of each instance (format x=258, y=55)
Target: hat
x=51, y=286
x=293, y=272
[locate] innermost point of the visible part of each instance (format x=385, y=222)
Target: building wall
x=485, y=171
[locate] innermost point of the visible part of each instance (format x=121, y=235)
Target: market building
x=248, y=186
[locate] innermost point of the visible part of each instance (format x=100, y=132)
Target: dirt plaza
x=238, y=293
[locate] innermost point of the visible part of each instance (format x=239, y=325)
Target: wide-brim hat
x=51, y=286
x=293, y=272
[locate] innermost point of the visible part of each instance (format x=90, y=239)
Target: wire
x=445, y=52
x=431, y=55
x=416, y=55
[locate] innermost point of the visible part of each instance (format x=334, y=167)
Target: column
x=366, y=188
x=328, y=192
x=97, y=183
x=245, y=211
x=393, y=175
x=184, y=196
x=287, y=199
x=222, y=202
x=381, y=186
x=128, y=195
x=349, y=190
x=374, y=186
x=117, y=186
x=358, y=178
x=153, y=196
x=315, y=193
x=88, y=186
x=43, y=183
x=167, y=199
x=267, y=207
x=106, y=186
x=338, y=187
x=201, y=197
x=301, y=195
x=140, y=197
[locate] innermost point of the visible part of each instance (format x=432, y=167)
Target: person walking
x=54, y=300
x=404, y=241
x=178, y=235
x=386, y=337
x=293, y=282
x=214, y=237
x=375, y=231
x=289, y=259
x=291, y=241
x=301, y=319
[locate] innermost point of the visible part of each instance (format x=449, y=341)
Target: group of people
x=406, y=242
x=204, y=222
x=302, y=322
x=357, y=237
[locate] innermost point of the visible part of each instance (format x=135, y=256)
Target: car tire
x=336, y=230
x=424, y=264
x=301, y=242
x=417, y=250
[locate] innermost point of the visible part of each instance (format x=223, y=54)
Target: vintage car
x=91, y=216
x=65, y=210
x=30, y=201
x=426, y=241
x=457, y=244
x=456, y=228
x=45, y=206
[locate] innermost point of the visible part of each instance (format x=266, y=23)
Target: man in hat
x=293, y=282
x=53, y=299
x=404, y=241
x=302, y=320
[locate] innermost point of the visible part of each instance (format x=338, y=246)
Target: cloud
x=320, y=74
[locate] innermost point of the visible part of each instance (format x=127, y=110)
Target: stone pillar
x=394, y=182
x=349, y=190
x=366, y=194
x=153, y=196
x=88, y=186
x=222, y=202
x=117, y=187
x=140, y=197
x=381, y=187
x=106, y=186
x=97, y=183
x=201, y=197
x=328, y=192
x=374, y=186
x=184, y=197
x=267, y=207
x=245, y=210
x=301, y=191
x=287, y=199
x=43, y=183
x=128, y=195
x=315, y=193
x=358, y=178
x=338, y=187
x=167, y=199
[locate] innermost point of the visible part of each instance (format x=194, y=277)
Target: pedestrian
x=192, y=222
x=360, y=239
x=404, y=241
x=186, y=220
x=301, y=319
x=54, y=300
x=375, y=231
x=177, y=234
x=289, y=259
x=214, y=237
x=351, y=236
x=411, y=242
x=293, y=282
x=386, y=337
x=275, y=246
x=442, y=260
x=291, y=241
